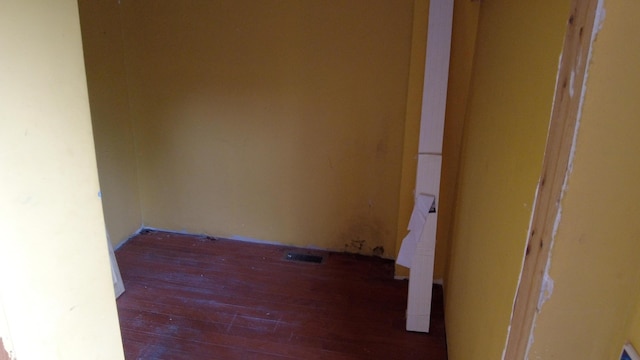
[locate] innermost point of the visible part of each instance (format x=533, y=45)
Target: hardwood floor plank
x=190, y=297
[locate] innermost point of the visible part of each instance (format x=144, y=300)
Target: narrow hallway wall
x=517, y=51
x=112, y=125
x=56, y=292
x=594, y=261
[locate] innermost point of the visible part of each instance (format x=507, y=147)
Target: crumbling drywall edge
x=547, y=280
x=546, y=289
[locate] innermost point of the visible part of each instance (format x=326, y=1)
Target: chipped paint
x=546, y=289
x=598, y=23
x=547, y=286
x=572, y=81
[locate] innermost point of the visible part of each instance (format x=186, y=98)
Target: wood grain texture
x=565, y=112
x=192, y=297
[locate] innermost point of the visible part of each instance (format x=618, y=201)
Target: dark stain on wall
x=363, y=236
x=378, y=250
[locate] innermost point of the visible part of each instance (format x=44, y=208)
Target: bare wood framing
x=567, y=101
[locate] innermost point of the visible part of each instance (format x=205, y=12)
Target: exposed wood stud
x=555, y=164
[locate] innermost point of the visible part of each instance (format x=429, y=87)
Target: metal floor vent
x=315, y=259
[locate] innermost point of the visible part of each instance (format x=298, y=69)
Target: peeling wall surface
x=274, y=120
x=505, y=130
x=594, y=307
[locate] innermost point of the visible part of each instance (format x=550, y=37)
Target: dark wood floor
x=199, y=298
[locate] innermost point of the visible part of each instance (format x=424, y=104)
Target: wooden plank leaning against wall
x=434, y=101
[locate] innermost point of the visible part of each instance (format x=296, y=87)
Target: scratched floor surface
x=197, y=298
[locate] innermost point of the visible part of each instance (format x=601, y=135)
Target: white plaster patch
x=572, y=80
x=597, y=26
x=546, y=290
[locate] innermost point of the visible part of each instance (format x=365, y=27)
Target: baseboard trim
x=144, y=229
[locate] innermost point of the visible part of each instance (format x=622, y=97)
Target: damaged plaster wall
x=510, y=99
x=595, y=257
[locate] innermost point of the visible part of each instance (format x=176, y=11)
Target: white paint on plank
x=436, y=76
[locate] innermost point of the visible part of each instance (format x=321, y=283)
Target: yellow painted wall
x=276, y=120
x=517, y=49
x=113, y=131
x=55, y=282
x=596, y=256
x=463, y=40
